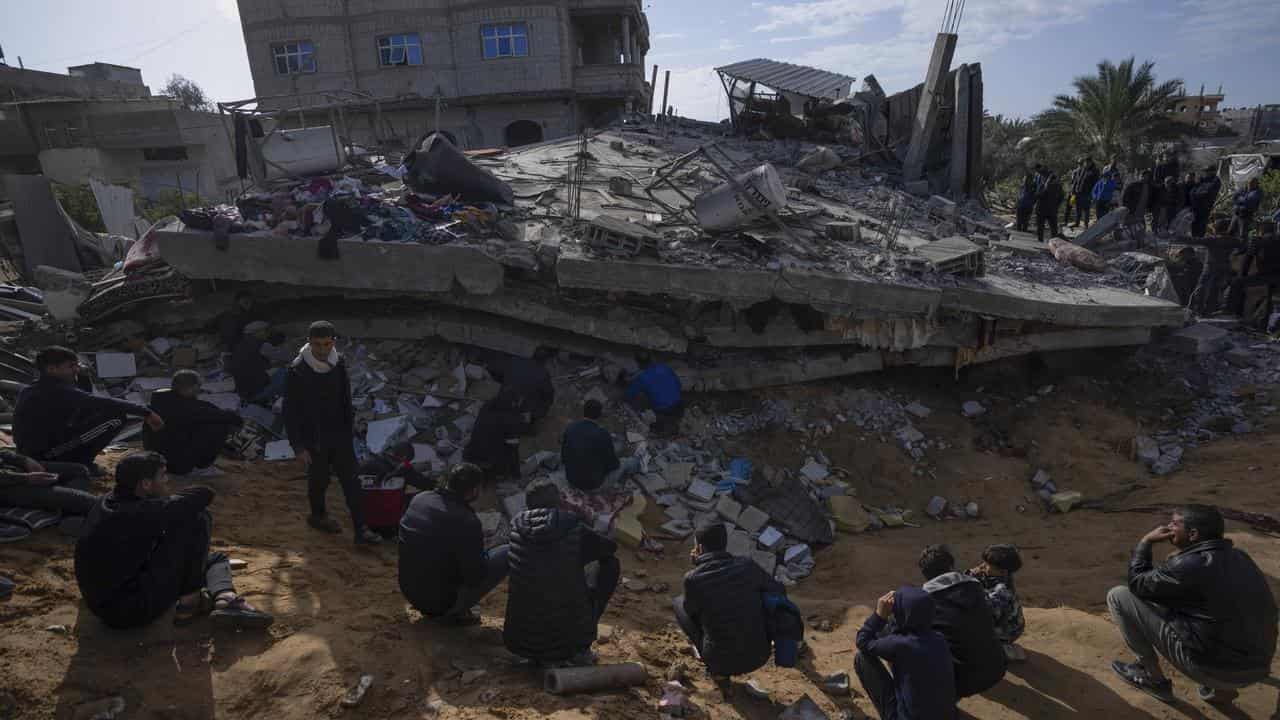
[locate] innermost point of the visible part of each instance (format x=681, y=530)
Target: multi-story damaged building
x=493, y=73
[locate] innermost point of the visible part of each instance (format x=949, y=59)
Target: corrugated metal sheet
x=791, y=78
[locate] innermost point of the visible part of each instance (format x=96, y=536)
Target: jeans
x=70, y=495
x=691, y=629
x=495, y=572
x=1149, y=636
x=878, y=684
x=83, y=437
x=1100, y=210
x=335, y=456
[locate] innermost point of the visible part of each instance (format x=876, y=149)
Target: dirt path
x=339, y=612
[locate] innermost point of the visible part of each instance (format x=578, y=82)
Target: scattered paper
x=278, y=450
x=116, y=365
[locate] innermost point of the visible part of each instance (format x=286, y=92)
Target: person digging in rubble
x=53, y=487
x=495, y=438
x=319, y=419
x=528, y=380
x=588, y=455
x=1048, y=198
x=251, y=362
x=195, y=432
x=444, y=569
x=553, y=603
x=56, y=421
x=722, y=608
x=995, y=573
x=920, y=681
x=964, y=617
x=144, y=550
x=657, y=388
x=1207, y=609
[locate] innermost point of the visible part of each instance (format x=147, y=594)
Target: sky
x=1030, y=50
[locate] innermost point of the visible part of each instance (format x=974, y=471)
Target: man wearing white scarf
x=319, y=419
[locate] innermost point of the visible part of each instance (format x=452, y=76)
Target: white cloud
x=1211, y=28
x=668, y=36
x=726, y=45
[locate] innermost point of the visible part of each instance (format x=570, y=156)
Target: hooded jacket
x=963, y=616
x=317, y=406
x=1104, y=189
x=923, y=677
x=48, y=408
x=724, y=595
x=1217, y=601
x=441, y=550
x=1050, y=195
x=549, y=613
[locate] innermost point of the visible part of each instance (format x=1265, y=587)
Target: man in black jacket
x=1207, y=609
x=528, y=380
x=722, y=608
x=195, y=431
x=963, y=616
x=319, y=419
x=1048, y=198
x=251, y=362
x=444, y=568
x=495, y=438
x=56, y=421
x=588, y=455
x=553, y=606
x=1082, y=190
x=142, y=550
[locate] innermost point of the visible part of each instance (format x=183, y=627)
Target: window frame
x=510, y=36
x=391, y=46
x=301, y=49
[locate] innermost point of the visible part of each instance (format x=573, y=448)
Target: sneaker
x=1215, y=696
x=365, y=536
x=1137, y=676
x=324, y=523
x=211, y=471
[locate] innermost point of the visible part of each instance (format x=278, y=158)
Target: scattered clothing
x=722, y=612
x=193, y=433
x=443, y=564
x=922, y=683
x=963, y=616
x=57, y=421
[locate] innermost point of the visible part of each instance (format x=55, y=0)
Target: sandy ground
x=340, y=615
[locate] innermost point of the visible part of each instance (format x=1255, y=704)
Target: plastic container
x=724, y=209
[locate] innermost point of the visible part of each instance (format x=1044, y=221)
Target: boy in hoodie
x=920, y=682
x=995, y=573
x=318, y=418
x=963, y=616
x=196, y=430
x=553, y=604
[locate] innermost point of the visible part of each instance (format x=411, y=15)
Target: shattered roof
x=798, y=79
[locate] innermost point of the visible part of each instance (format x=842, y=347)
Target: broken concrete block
x=797, y=553
x=701, y=490
x=1100, y=229
x=972, y=409
x=64, y=291
x=729, y=509
x=1199, y=339
x=627, y=527
x=514, y=504
x=819, y=161
x=753, y=519
x=679, y=474
x=675, y=512
x=680, y=529
x=1063, y=502
x=844, y=232
x=815, y=471
x=918, y=410
x=937, y=505
x=739, y=544
x=1160, y=285
x=767, y=560
x=652, y=483
x=771, y=538
x=849, y=514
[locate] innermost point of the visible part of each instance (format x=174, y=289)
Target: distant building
x=1253, y=124
x=504, y=73
x=1198, y=110
x=101, y=121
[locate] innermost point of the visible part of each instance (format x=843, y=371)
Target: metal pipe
x=653, y=89
x=564, y=681
x=666, y=87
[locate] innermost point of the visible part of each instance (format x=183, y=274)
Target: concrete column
x=626, y=39
x=960, y=132
x=926, y=123
x=976, y=108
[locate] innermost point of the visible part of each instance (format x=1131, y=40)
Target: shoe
x=212, y=471
x=365, y=536
x=1137, y=676
x=1215, y=696
x=238, y=614
x=324, y=523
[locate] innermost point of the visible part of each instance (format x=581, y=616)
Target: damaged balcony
x=610, y=45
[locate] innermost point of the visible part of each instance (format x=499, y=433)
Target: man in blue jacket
x=920, y=682
x=657, y=388
x=1103, y=191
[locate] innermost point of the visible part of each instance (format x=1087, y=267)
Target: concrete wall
x=18, y=84
x=107, y=72
x=475, y=126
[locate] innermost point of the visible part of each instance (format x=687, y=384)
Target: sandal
x=185, y=614
x=237, y=614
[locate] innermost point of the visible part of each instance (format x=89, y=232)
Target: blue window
x=505, y=40
x=294, y=57
x=400, y=50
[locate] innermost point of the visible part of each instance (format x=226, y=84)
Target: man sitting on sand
x=722, y=608
x=995, y=573
x=553, y=606
x=56, y=421
x=963, y=616
x=144, y=550
x=444, y=568
x=919, y=683
x=54, y=487
x=195, y=430
x=1207, y=609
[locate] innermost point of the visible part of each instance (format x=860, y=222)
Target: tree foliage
x=190, y=95
x=1114, y=112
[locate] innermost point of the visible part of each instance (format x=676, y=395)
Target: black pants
x=1215, y=276
x=195, y=448
x=878, y=684
x=335, y=456
x=1022, y=219
x=83, y=437
x=179, y=565
x=606, y=581
x=1052, y=219
x=692, y=630
x=70, y=495
x=1082, y=209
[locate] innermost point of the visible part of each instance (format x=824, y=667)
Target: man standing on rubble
x=1245, y=204
x=1082, y=190
x=55, y=421
x=657, y=388
x=319, y=420
x=1207, y=609
x=1048, y=198
x=1204, y=195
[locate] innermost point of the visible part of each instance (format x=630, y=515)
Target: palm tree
x=1113, y=112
